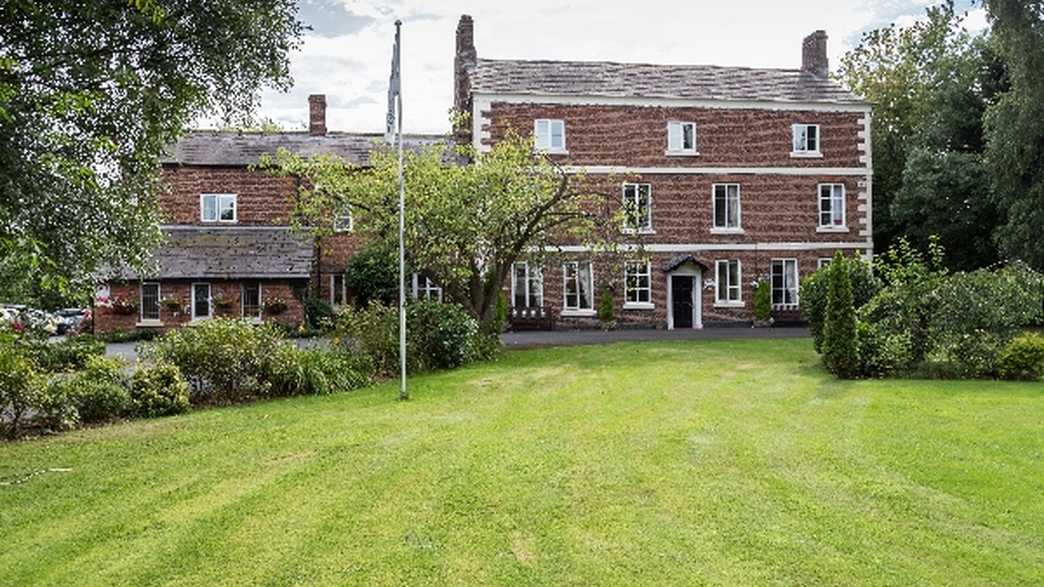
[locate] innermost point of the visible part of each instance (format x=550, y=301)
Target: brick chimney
x=317, y=114
x=464, y=59
x=814, y=54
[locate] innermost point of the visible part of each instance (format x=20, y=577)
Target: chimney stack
x=465, y=58
x=317, y=114
x=814, y=54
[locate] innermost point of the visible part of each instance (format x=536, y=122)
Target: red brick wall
x=637, y=136
x=262, y=199
x=105, y=321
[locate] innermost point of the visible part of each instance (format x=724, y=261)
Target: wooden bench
x=532, y=318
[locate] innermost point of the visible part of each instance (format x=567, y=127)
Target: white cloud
x=352, y=69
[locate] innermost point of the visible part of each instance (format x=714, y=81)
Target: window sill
x=149, y=324
x=639, y=306
x=682, y=153
x=839, y=229
x=727, y=231
x=219, y=221
x=552, y=151
x=739, y=304
x=198, y=321
x=806, y=155
x=578, y=313
x=637, y=231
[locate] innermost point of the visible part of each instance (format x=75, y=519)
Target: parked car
x=31, y=319
x=70, y=319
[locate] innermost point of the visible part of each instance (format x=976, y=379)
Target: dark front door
x=681, y=304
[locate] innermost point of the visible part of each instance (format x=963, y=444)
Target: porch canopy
x=679, y=260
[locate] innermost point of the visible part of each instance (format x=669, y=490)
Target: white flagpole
x=403, y=394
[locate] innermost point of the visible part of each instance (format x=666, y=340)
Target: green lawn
x=725, y=462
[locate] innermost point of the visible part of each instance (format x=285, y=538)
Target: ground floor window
x=250, y=299
x=527, y=286
x=150, y=301
x=201, y=301
x=637, y=282
x=425, y=289
x=578, y=285
x=337, y=289
x=728, y=282
x=784, y=282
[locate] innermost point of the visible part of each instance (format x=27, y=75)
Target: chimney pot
x=814, y=54
x=317, y=114
x=463, y=61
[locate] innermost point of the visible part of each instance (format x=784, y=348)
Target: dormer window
x=550, y=135
x=217, y=207
x=805, y=140
x=681, y=138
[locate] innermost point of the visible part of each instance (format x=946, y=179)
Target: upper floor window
x=637, y=283
x=527, y=286
x=150, y=301
x=806, y=139
x=832, y=206
x=728, y=282
x=550, y=135
x=217, y=207
x=785, y=282
x=343, y=221
x=637, y=202
x=425, y=289
x=681, y=138
x=578, y=285
x=727, y=206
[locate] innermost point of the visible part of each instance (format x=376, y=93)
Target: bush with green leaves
x=142, y=334
x=70, y=354
x=605, y=309
x=1022, y=358
x=223, y=360
x=100, y=391
x=880, y=353
x=319, y=314
x=22, y=387
x=372, y=274
x=865, y=286
x=840, y=346
x=158, y=390
x=763, y=301
x=317, y=371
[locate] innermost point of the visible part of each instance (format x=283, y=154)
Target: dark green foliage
x=814, y=288
x=882, y=353
x=502, y=313
x=605, y=308
x=70, y=354
x=143, y=334
x=99, y=392
x=319, y=315
x=763, y=301
x=840, y=348
x=316, y=371
x=373, y=274
x=21, y=387
x=373, y=331
x=1023, y=358
x=159, y=390
x=90, y=94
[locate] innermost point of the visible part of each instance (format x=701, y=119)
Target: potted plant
x=275, y=306
x=605, y=309
x=173, y=306
x=762, y=303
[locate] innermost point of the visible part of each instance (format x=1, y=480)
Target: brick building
x=733, y=175
x=229, y=249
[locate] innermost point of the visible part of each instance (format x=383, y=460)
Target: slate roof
x=233, y=252
x=632, y=80
x=237, y=148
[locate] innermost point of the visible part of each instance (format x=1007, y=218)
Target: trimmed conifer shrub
x=840, y=344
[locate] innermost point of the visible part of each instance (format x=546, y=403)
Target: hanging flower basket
x=276, y=306
x=118, y=305
x=172, y=305
x=223, y=303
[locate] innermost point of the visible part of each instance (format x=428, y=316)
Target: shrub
x=374, y=331
x=222, y=359
x=881, y=354
x=55, y=411
x=319, y=315
x=373, y=274
x=159, y=390
x=99, y=392
x=763, y=301
x=605, y=309
x=130, y=335
x=21, y=388
x=840, y=349
x=70, y=354
x=317, y=371
x=968, y=355
x=865, y=286
x=1023, y=358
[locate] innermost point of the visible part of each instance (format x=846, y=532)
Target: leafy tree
x=465, y=224
x=930, y=84
x=373, y=273
x=90, y=93
x=1015, y=128
x=840, y=346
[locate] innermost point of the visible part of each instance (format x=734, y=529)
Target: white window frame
x=424, y=284
x=728, y=287
x=141, y=303
x=800, y=148
x=843, y=227
x=647, y=227
x=260, y=301
x=333, y=290
x=532, y=275
x=823, y=262
x=645, y=270
x=715, y=229
x=678, y=126
x=210, y=301
x=343, y=222
x=796, y=286
x=543, y=141
x=577, y=310
x=218, y=199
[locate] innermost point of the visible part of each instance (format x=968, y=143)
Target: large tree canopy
x=465, y=224
x=90, y=92
x=931, y=84
x=1015, y=128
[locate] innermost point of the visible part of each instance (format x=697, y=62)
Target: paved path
x=522, y=340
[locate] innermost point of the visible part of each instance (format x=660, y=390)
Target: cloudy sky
x=347, y=53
